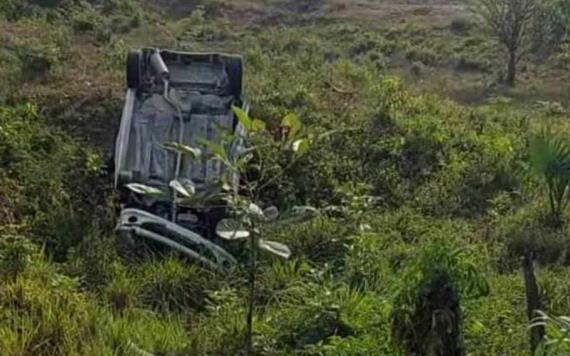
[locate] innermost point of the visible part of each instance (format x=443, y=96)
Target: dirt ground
x=250, y=12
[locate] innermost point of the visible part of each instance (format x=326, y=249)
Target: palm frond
x=549, y=158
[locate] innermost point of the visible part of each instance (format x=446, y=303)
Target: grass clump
x=171, y=285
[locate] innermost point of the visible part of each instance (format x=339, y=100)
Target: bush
x=427, y=314
x=57, y=318
x=550, y=246
x=33, y=55
x=501, y=310
x=45, y=164
x=122, y=291
x=460, y=25
x=530, y=229
x=16, y=253
x=319, y=240
x=223, y=321
x=554, y=289
x=464, y=64
x=423, y=55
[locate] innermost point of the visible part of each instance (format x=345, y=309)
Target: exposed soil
x=393, y=12
x=174, y=8
x=249, y=12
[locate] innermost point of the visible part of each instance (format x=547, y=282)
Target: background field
x=428, y=131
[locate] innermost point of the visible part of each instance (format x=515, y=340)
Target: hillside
x=425, y=188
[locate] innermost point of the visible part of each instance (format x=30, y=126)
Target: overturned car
x=185, y=99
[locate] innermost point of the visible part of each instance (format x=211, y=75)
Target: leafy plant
x=16, y=253
x=558, y=343
x=550, y=162
x=169, y=285
x=249, y=219
x=427, y=315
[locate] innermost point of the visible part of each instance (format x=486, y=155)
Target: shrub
x=172, y=285
x=464, y=64
x=16, y=9
x=423, y=55
x=557, y=342
x=326, y=318
x=550, y=246
x=51, y=172
x=417, y=69
x=16, y=253
x=550, y=163
x=86, y=21
x=318, y=241
x=223, y=321
x=122, y=291
x=460, y=25
x=45, y=313
x=56, y=318
x=529, y=229
x=40, y=57
x=551, y=108
x=140, y=332
x=427, y=315
x=554, y=289
x=501, y=310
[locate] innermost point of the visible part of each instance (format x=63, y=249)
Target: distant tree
x=547, y=31
x=510, y=21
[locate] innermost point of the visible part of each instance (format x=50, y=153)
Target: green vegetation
x=435, y=183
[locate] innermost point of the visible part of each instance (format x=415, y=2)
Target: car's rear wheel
x=234, y=68
x=134, y=69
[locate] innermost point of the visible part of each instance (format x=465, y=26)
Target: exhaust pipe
x=159, y=66
x=157, y=63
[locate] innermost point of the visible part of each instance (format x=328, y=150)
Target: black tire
x=134, y=69
x=234, y=68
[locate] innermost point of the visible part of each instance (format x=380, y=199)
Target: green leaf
x=300, y=147
x=255, y=212
x=257, y=125
x=226, y=187
x=550, y=161
x=271, y=213
x=231, y=229
x=144, y=189
x=275, y=248
x=293, y=124
x=243, y=117
x=186, y=189
x=182, y=148
x=217, y=150
x=253, y=125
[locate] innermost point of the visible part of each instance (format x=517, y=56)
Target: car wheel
x=134, y=69
x=234, y=68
